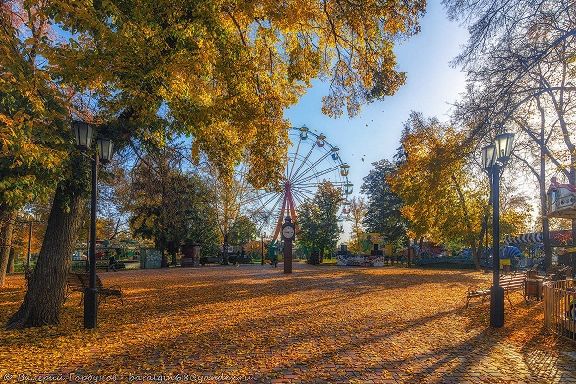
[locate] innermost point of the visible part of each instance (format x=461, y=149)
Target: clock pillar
x=288, y=232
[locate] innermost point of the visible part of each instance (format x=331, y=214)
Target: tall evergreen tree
x=318, y=221
x=383, y=205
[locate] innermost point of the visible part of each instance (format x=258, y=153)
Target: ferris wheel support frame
x=301, y=179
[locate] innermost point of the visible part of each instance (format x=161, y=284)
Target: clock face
x=288, y=232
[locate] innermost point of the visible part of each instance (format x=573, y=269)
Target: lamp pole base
x=90, y=308
x=497, y=307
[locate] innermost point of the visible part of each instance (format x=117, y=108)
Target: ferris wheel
x=312, y=160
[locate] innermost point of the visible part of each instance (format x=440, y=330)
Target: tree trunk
x=225, y=250
x=467, y=221
x=164, y=263
x=11, y=260
x=172, y=251
x=483, y=233
x=6, y=231
x=47, y=283
x=544, y=212
x=573, y=182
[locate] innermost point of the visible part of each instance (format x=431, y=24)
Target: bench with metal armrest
x=510, y=283
x=78, y=282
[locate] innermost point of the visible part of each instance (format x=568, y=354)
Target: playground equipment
x=561, y=200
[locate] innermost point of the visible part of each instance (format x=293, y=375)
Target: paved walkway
x=319, y=325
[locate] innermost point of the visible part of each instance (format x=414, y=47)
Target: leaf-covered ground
x=321, y=324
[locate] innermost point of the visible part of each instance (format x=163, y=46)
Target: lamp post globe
x=83, y=134
x=503, y=144
x=105, y=150
x=488, y=157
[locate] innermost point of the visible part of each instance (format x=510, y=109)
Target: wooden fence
x=560, y=307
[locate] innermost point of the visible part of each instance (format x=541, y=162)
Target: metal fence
x=560, y=307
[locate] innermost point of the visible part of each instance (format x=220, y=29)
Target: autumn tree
x=318, y=220
x=383, y=214
x=222, y=73
x=32, y=114
x=357, y=214
x=231, y=198
x=226, y=71
x=519, y=60
x=439, y=200
x=169, y=205
x=445, y=195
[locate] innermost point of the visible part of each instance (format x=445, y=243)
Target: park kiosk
x=560, y=295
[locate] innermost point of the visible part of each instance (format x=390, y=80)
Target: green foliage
x=318, y=220
x=383, y=214
x=170, y=206
x=242, y=231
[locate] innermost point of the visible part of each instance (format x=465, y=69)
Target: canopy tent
x=557, y=238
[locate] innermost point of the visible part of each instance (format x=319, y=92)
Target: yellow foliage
x=227, y=70
x=441, y=201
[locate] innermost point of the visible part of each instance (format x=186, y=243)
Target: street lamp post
x=103, y=153
x=494, y=158
x=262, y=248
x=29, y=254
x=288, y=232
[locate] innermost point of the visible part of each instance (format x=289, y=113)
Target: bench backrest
x=512, y=281
x=75, y=281
x=81, y=280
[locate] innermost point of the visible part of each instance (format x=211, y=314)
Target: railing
x=560, y=307
x=425, y=260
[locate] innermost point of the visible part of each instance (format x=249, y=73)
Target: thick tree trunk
x=47, y=283
x=172, y=251
x=6, y=230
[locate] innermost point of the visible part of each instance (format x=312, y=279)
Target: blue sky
x=431, y=86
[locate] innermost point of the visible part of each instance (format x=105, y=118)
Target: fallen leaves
x=321, y=323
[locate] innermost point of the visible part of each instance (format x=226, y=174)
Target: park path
x=320, y=325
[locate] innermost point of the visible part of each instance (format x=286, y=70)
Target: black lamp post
x=288, y=232
x=84, y=133
x=262, y=235
x=494, y=158
x=31, y=219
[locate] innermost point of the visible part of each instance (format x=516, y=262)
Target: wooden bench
x=74, y=283
x=510, y=283
x=78, y=282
